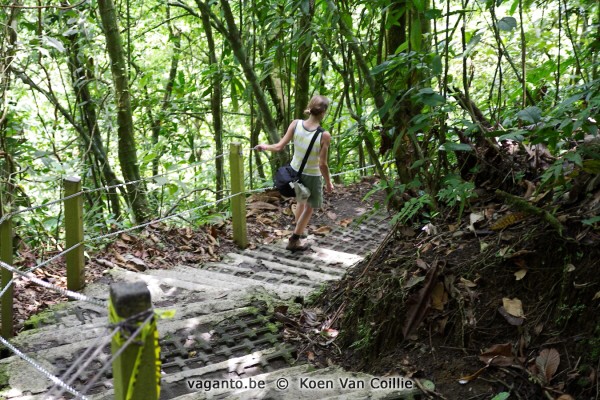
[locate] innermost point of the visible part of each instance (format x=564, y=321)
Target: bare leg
x=299, y=210
x=302, y=218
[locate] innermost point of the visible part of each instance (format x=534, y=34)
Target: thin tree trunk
x=158, y=122
x=215, y=100
x=523, y=57
x=7, y=53
x=127, y=146
x=302, y=88
x=81, y=76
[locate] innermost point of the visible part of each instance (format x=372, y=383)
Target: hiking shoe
x=294, y=244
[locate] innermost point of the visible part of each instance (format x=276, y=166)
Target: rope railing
x=78, y=367
x=106, y=188
x=65, y=292
x=119, y=352
x=156, y=221
x=40, y=265
x=81, y=363
x=102, y=188
x=41, y=369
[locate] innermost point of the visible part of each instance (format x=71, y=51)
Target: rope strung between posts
x=89, y=355
x=361, y=169
x=40, y=265
x=41, y=369
x=64, y=292
x=94, y=239
x=116, y=233
x=103, y=188
x=134, y=335
x=106, y=188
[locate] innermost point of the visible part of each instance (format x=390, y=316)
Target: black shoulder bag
x=285, y=176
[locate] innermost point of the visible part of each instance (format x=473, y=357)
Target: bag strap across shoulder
x=310, y=146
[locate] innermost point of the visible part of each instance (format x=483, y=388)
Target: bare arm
x=323, y=161
x=289, y=134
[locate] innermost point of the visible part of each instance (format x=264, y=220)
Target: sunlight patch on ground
x=334, y=257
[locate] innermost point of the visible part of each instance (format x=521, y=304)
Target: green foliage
x=456, y=192
x=412, y=208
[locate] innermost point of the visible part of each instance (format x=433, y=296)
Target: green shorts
x=315, y=185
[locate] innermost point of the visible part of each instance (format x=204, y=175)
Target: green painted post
x=6, y=255
x=74, y=234
x=238, y=203
x=136, y=372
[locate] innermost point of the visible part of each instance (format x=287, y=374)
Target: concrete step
x=317, y=256
x=279, y=268
x=187, y=276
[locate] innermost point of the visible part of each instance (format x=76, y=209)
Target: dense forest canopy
x=119, y=91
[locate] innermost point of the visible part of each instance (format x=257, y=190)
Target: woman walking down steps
x=317, y=168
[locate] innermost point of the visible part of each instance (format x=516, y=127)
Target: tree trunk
x=301, y=96
x=81, y=76
x=7, y=54
x=127, y=146
x=215, y=100
x=159, y=120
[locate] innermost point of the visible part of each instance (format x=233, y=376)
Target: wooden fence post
x=74, y=234
x=137, y=369
x=6, y=255
x=238, y=203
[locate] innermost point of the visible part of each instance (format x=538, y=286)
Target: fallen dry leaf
x=323, y=230
x=261, y=205
x=466, y=283
x=418, y=303
x=513, y=306
x=500, y=355
x=439, y=297
x=473, y=219
x=345, y=222
x=547, y=363
x=520, y=274
x=331, y=216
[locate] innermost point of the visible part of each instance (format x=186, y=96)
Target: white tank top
x=302, y=138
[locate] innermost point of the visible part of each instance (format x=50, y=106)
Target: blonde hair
x=317, y=105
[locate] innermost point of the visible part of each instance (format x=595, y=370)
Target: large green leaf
x=436, y=65
x=475, y=39
x=530, y=114
x=507, y=24
x=431, y=98
x=52, y=42
x=381, y=67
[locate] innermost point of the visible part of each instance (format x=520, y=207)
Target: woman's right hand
x=261, y=147
x=329, y=187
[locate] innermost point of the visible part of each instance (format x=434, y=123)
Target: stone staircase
x=222, y=327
